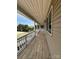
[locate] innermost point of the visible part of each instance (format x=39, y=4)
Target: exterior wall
x=55, y=41
x=56, y=29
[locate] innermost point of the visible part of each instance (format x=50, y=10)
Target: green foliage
x=24, y=28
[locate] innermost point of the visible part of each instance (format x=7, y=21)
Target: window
x=48, y=23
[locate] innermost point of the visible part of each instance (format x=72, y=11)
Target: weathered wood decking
x=37, y=49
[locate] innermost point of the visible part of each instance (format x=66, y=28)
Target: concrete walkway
x=37, y=49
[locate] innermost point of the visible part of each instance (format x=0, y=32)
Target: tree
x=20, y=27
x=24, y=28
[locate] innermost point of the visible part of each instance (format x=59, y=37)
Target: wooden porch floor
x=37, y=49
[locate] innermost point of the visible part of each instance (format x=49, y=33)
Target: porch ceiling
x=35, y=9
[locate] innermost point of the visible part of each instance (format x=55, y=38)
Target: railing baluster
x=23, y=41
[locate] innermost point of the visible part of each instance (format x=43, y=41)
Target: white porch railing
x=23, y=41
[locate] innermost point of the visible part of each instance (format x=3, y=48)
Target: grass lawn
x=19, y=34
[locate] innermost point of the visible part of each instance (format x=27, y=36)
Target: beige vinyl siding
x=56, y=29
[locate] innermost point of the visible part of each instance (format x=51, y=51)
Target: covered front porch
x=45, y=40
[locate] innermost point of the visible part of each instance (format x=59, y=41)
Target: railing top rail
x=25, y=35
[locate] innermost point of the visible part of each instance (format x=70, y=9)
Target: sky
x=24, y=20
